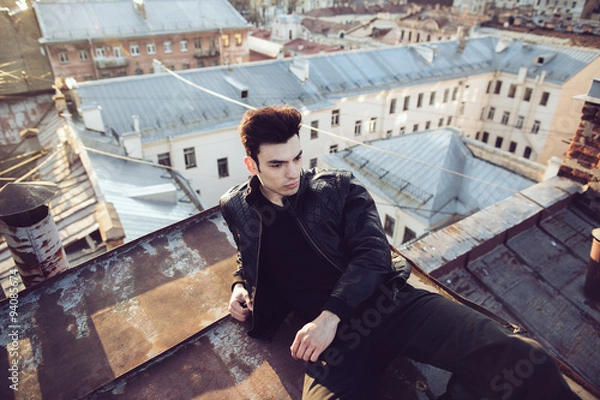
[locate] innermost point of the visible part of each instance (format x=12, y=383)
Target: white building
x=512, y=95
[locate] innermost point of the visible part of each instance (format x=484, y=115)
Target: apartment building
x=510, y=96
x=107, y=39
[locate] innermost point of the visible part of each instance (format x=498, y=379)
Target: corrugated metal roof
x=80, y=20
x=415, y=172
x=169, y=107
x=145, y=196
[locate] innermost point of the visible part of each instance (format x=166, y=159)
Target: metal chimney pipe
x=592, y=279
x=30, y=232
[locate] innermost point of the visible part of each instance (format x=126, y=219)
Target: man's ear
x=251, y=165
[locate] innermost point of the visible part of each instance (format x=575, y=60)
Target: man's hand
x=314, y=337
x=240, y=305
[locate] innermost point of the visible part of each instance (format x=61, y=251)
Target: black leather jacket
x=340, y=221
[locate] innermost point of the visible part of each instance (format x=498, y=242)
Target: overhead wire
x=357, y=142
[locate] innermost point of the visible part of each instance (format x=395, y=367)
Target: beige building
x=106, y=39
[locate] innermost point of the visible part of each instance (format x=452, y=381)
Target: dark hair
x=268, y=125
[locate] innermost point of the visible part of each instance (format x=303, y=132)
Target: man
x=316, y=238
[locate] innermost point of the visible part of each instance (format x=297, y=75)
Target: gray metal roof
x=79, y=20
x=169, y=107
x=416, y=172
x=145, y=196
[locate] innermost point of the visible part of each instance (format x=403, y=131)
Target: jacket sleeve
x=369, y=263
x=238, y=274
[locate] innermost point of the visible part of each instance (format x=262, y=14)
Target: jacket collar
x=253, y=189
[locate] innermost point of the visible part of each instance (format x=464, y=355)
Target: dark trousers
x=487, y=361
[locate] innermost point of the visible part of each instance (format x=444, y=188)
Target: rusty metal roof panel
x=97, y=321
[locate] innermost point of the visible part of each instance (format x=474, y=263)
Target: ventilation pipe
x=592, y=280
x=30, y=232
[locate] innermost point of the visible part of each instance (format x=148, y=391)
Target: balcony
x=111, y=62
x=200, y=53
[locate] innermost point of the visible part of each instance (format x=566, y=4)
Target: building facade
x=511, y=96
x=83, y=40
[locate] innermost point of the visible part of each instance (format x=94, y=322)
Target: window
x=333, y=148
x=432, y=98
x=134, y=49
x=213, y=42
x=313, y=163
x=189, y=154
x=314, y=125
x=454, y=93
x=372, y=125
x=491, y=113
x=225, y=40
x=223, y=167
x=544, y=99
x=461, y=108
x=406, y=103
x=499, y=141
x=185, y=66
x=198, y=43
x=446, y=95
x=498, y=87
x=441, y=122
x=83, y=55
x=512, y=90
x=63, y=57
x=427, y=125
x=449, y=120
x=164, y=159
x=392, y=106
x=357, y=128
x=238, y=39
x=512, y=147
x=402, y=130
x=415, y=127
x=118, y=52
x=485, y=137
x=520, y=120
x=389, y=225
x=527, y=94
x=168, y=45
x=150, y=48
x=183, y=45
x=388, y=133
x=489, y=87
x=536, y=126
x=420, y=100
x=139, y=71
x=100, y=52
x=408, y=235
x=527, y=152
x=335, y=117
x=505, y=117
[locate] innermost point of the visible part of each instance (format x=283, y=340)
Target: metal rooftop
x=167, y=106
x=145, y=196
x=533, y=273
x=432, y=175
x=66, y=21
x=147, y=319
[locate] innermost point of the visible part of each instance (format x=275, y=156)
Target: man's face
x=280, y=167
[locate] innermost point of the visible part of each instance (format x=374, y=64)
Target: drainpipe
x=592, y=279
x=30, y=232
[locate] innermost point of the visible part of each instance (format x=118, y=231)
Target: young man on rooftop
x=317, y=240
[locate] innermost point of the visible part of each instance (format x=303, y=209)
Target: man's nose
x=292, y=170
